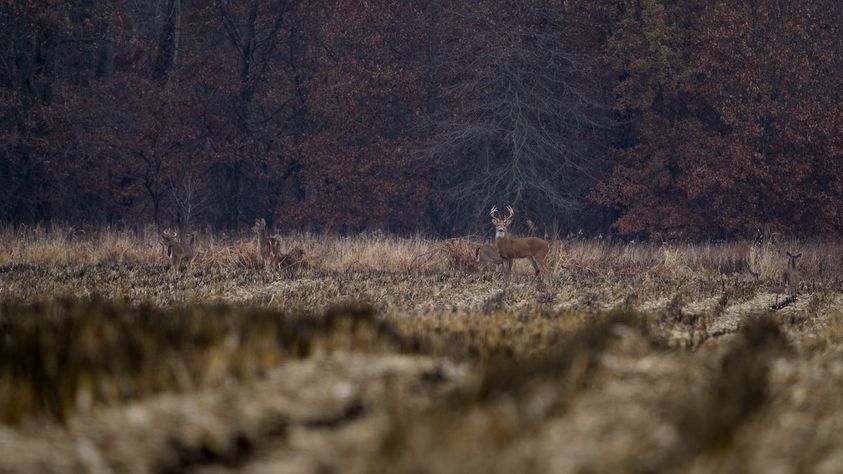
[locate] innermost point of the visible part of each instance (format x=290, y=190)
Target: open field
x=400, y=355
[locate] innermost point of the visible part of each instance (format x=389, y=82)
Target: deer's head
x=791, y=259
x=501, y=224
x=260, y=227
x=168, y=237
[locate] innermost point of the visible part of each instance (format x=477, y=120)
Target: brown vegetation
x=632, y=356
x=664, y=119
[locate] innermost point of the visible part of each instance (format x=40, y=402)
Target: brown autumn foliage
x=732, y=118
x=405, y=115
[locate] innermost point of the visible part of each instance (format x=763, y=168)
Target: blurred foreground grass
x=59, y=355
x=98, y=386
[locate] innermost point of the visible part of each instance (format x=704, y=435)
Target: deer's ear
x=798, y=255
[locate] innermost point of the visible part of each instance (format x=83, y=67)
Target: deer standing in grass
x=790, y=277
x=509, y=248
x=296, y=258
x=487, y=255
x=789, y=280
x=269, y=247
x=177, y=250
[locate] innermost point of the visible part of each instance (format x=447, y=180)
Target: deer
x=487, y=255
x=790, y=277
x=533, y=248
x=789, y=282
x=269, y=247
x=296, y=258
x=177, y=250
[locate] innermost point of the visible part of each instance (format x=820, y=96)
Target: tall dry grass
x=821, y=262
x=66, y=246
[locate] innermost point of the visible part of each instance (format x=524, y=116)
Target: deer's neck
x=504, y=245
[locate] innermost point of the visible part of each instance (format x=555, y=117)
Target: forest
x=682, y=119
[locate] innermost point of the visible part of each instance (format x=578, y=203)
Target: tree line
x=663, y=119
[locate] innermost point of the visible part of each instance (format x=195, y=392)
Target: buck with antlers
x=509, y=248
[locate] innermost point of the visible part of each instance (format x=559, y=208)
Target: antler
x=511, y=212
x=494, y=212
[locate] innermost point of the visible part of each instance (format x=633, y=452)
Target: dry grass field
x=385, y=354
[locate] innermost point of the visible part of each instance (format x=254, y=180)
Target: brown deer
x=269, y=247
x=487, y=255
x=789, y=282
x=296, y=258
x=177, y=250
x=790, y=277
x=509, y=248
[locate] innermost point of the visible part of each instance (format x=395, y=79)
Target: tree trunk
x=168, y=42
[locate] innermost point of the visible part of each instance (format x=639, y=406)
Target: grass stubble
x=395, y=354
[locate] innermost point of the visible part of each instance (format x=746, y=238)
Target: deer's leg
x=543, y=263
x=535, y=265
x=507, y=265
x=540, y=263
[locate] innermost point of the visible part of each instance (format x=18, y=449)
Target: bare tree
x=168, y=41
x=188, y=191
x=521, y=114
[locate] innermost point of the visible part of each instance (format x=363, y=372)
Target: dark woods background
x=659, y=118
